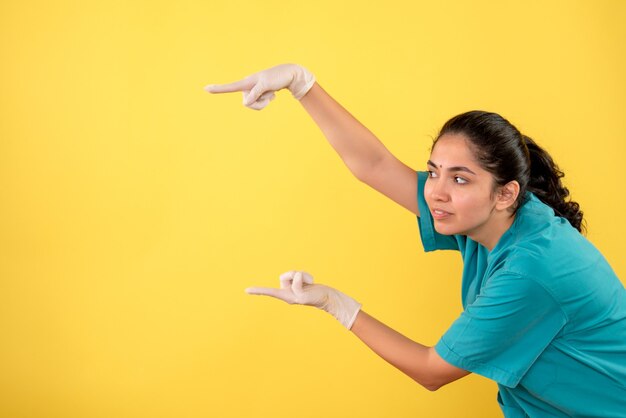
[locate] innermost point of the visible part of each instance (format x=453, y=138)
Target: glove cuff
x=342, y=307
x=302, y=82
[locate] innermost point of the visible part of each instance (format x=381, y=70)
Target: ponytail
x=545, y=183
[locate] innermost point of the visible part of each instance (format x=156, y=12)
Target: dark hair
x=508, y=155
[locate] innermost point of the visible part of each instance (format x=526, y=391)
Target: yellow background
x=135, y=207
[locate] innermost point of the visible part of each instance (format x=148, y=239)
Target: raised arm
x=364, y=155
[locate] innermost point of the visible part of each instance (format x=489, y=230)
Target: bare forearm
x=419, y=362
x=359, y=148
x=401, y=352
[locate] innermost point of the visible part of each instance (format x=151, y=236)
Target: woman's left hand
x=297, y=287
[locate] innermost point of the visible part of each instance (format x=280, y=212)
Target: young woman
x=544, y=314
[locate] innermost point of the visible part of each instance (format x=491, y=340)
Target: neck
x=490, y=233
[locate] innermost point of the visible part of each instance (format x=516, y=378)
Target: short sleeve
x=431, y=239
x=503, y=332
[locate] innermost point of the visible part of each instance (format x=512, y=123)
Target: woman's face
x=459, y=192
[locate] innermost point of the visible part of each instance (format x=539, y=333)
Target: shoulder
x=538, y=236
x=547, y=250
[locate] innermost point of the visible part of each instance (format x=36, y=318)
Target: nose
x=439, y=191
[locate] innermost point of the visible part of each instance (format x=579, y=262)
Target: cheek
x=473, y=205
x=427, y=189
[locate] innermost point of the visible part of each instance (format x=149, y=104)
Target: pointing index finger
x=240, y=85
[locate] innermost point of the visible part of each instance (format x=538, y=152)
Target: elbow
x=431, y=385
x=432, y=388
x=364, y=171
x=359, y=173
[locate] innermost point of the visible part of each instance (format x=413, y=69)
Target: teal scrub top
x=544, y=316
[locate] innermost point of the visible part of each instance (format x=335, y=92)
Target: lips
x=439, y=214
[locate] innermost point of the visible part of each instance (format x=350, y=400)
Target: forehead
x=452, y=150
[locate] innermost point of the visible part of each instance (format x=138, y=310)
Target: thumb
x=262, y=101
x=254, y=94
x=297, y=284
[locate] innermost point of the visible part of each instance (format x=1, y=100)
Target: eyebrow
x=455, y=168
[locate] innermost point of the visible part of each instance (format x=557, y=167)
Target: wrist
x=342, y=307
x=302, y=81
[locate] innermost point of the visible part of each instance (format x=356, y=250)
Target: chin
x=446, y=229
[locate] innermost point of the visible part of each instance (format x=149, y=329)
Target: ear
x=507, y=195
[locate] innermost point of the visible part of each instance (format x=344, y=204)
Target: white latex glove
x=258, y=89
x=296, y=287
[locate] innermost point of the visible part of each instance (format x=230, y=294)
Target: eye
x=431, y=174
x=460, y=180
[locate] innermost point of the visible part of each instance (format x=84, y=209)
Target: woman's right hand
x=258, y=89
